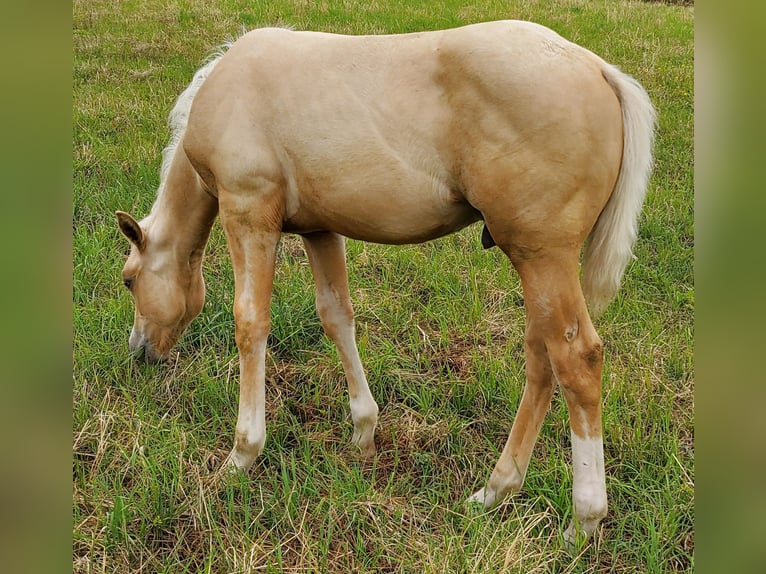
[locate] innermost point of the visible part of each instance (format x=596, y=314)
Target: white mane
x=179, y=115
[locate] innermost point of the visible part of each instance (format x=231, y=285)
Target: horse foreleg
x=327, y=256
x=253, y=245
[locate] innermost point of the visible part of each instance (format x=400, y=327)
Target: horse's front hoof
x=364, y=440
x=484, y=498
x=237, y=462
x=369, y=451
x=477, y=498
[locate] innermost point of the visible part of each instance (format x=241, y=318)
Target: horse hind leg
x=562, y=347
x=510, y=470
x=557, y=306
x=326, y=253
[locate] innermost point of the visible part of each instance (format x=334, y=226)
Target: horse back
x=417, y=131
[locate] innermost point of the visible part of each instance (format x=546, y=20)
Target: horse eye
x=128, y=283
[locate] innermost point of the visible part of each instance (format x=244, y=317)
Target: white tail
x=610, y=244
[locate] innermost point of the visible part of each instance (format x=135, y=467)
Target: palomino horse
x=403, y=139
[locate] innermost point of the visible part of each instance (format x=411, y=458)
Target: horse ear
x=131, y=229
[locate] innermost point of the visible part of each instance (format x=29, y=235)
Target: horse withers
x=402, y=139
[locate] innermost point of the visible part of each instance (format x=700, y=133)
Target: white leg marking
x=250, y=436
x=506, y=479
x=482, y=497
x=364, y=409
x=589, y=488
x=327, y=257
x=477, y=497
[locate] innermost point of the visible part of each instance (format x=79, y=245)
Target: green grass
x=440, y=330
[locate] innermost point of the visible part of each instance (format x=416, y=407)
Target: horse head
x=167, y=289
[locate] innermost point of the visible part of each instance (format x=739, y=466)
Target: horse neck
x=183, y=214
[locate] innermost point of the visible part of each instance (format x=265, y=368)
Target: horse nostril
x=143, y=350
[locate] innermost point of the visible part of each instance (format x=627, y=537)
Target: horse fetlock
x=364, y=411
x=488, y=497
x=590, y=504
x=503, y=486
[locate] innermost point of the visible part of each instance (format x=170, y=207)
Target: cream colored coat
x=402, y=139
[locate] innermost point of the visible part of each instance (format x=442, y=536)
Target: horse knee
x=249, y=329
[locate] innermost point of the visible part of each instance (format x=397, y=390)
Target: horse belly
x=392, y=210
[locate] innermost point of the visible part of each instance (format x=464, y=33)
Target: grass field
x=440, y=331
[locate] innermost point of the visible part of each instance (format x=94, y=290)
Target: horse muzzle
x=142, y=348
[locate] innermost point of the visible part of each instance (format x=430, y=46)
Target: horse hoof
x=477, y=503
x=369, y=452
x=365, y=442
x=575, y=538
x=477, y=498
x=236, y=463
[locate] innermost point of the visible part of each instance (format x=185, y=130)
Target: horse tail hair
x=609, y=248
x=179, y=115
